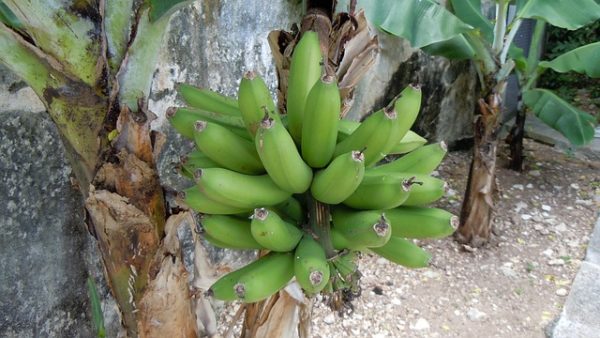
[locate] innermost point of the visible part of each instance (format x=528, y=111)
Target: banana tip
x=315, y=277
x=358, y=156
x=328, y=78
x=390, y=113
x=415, y=86
x=171, y=111
x=200, y=125
x=198, y=174
x=382, y=227
x=250, y=75
x=444, y=146
x=261, y=214
x=240, y=290
x=454, y=222
x=209, y=293
x=267, y=122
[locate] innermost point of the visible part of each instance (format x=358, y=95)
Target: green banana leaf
x=8, y=18
x=469, y=11
x=422, y=22
x=576, y=125
x=457, y=48
x=569, y=14
x=584, y=60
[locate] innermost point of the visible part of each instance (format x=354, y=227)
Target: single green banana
x=310, y=265
x=231, y=231
x=423, y=160
x=320, y=124
x=238, y=190
x=340, y=179
x=426, y=190
x=305, y=71
x=272, y=232
x=361, y=229
x=346, y=128
x=280, y=157
x=197, y=200
x=183, y=119
x=227, y=149
x=255, y=101
x=407, y=108
x=372, y=135
x=403, y=252
x=420, y=222
x=408, y=143
x=257, y=280
x=338, y=240
x=292, y=210
x=208, y=100
x=381, y=191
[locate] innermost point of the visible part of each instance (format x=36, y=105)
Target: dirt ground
x=514, y=287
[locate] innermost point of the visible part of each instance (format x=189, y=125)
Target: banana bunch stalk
x=258, y=174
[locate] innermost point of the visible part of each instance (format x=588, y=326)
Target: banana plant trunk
x=515, y=140
x=91, y=64
x=476, y=217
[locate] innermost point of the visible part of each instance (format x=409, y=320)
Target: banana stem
x=318, y=218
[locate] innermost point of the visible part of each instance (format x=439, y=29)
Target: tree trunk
x=515, y=140
x=478, y=205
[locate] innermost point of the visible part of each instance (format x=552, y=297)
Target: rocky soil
x=514, y=287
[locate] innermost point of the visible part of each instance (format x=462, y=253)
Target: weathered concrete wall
x=46, y=254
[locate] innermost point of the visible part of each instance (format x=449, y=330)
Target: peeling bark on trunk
x=478, y=206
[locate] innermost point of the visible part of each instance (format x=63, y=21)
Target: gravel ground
x=514, y=287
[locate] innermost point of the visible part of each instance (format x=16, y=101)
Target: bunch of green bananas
x=254, y=169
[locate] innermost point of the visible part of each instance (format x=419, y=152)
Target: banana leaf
x=422, y=22
x=456, y=48
x=567, y=14
x=584, y=60
x=158, y=8
x=574, y=124
x=469, y=11
x=8, y=17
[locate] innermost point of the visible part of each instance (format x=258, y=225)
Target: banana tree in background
x=91, y=63
x=463, y=32
x=574, y=124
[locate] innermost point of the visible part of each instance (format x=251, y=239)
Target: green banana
x=197, y=200
x=407, y=108
x=240, y=191
x=305, y=71
x=310, y=265
x=427, y=189
x=340, y=179
x=257, y=280
x=403, y=252
x=408, y=143
x=208, y=100
x=255, y=101
x=420, y=222
x=230, y=231
x=346, y=128
x=226, y=148
x=372, y=135
x=319, y=127
x=362, y=229
x=381, y=191
x=423, y=160
x=280, y=157
x=338, y=240
x=183, y=119
x=197, y=159
x=272, y=232
x=292, y=210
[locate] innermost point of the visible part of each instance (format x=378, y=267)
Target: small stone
x=518, y=186
x=535, y=173
x=420, y=325
x=475, y=315
x=329, y=319
x=396, y=301
x=548, y=253
x=546, y=207
x=574, y=186
x=562, y=292
x=562, y=227
x=520, y=205
x=431, y=274
x=378, y=290
x=381, y=261
x=556, y=262
x=507, y=271
x=529, y=186
x=526, y=217
x=538, y=227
